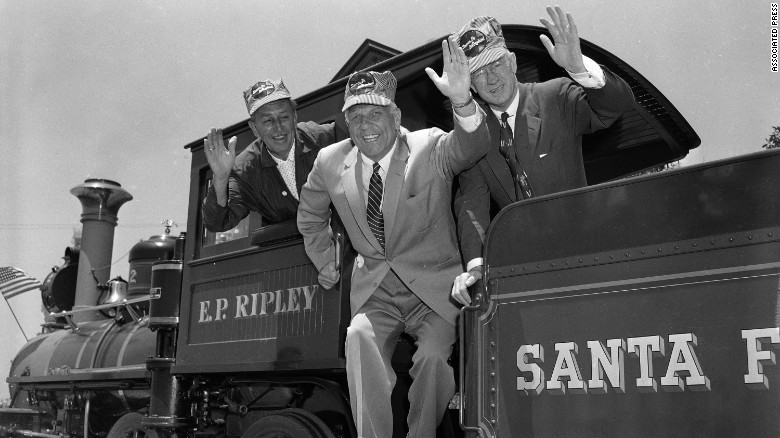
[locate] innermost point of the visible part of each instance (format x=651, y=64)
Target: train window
x=215, y=238
x=221, y=242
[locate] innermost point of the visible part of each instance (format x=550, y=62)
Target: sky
x=105, y=89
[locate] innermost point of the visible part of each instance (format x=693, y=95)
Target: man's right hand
x=220, y=159
x=460, y=292
x=328, y=275
x=455, y=80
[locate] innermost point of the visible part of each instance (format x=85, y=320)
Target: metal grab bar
x=154, y=294
x=338, y=247
x=461, y=364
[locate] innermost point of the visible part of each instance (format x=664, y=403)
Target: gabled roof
x=369, y=53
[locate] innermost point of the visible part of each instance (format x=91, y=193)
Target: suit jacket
x=558, y=112
x=256, y=185
x=420, y=240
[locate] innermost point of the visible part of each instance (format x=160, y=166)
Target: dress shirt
x=593, y=77
x=287, y=170
x=469, y=124
x=368, y=170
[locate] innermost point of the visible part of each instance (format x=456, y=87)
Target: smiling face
x=274, y=124
x=373, y=128
x=496, y=82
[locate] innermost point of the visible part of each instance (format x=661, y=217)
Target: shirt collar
x=512, y=110
x=384, y=163
x=290, y=155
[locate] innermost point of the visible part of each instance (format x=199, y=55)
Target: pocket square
x=542, y=155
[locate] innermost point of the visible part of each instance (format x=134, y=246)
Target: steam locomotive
x=657, y=294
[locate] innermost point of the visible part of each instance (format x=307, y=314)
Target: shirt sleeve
x=593, y=78
x=474, y=263
x=470, y=123
x=222, y=218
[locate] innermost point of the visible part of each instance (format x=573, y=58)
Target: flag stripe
x=14, y=282
x=23, y=286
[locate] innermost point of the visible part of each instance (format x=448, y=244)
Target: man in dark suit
x=268, y=175
x=536, y=128
x=393, y=193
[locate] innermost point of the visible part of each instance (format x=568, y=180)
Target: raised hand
x=220, y=159
x=566, y=50
x=455, y=80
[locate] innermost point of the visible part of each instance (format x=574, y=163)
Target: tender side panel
x=260, y=310
x=645, y=307
x=684, y=354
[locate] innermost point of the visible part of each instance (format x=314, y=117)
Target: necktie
x=519, y=177
x=374, y=209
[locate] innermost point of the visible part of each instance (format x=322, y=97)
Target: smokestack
x=100, y=202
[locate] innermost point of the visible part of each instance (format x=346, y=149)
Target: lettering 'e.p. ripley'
x=293, y=299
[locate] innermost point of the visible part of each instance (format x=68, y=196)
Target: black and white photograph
x=389, y=219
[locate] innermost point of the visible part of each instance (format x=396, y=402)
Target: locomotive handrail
x=67, y=314
x=36, y=434
x=461, y=364
x=124, y=302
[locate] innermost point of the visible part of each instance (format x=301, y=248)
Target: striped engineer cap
x=370, y=87
x=482, y=41
x=263, y=92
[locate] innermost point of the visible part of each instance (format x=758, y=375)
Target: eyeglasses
x=494, y=67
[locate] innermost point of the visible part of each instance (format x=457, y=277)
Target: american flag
x=14, y=282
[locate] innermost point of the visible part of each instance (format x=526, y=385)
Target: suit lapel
x=528, y=106
x=303, y=145
x=352, y=180
x=495, y=161
x=393, y=185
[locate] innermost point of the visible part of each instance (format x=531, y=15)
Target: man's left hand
x=455, y=80
x=566, y=51
x=460, y=286
x=328, y=275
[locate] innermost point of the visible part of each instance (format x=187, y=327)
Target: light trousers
x=371, y=339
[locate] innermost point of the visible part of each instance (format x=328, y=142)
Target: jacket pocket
x=423, y=206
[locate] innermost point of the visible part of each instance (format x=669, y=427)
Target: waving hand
x=455, y=80
x=220, y=158
x=566, y=50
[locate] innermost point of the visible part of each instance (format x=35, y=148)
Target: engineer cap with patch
x=370, y=87
x=482, y=41
x=264, y=92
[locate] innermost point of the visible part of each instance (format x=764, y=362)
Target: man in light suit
x=536, y=128
x=393, y=193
